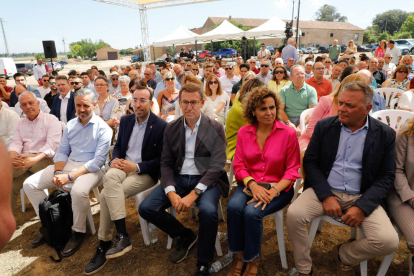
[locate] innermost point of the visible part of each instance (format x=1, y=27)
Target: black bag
x=56, y=216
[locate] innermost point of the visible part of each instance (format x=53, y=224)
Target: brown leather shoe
x=341, y=268
x=73, y=244
x=238, y=265
x=251, y=268
x=38, y=241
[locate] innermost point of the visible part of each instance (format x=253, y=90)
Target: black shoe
x=202, y=271
x=184, y=245
x=121, y=246
x=73, y=244
x=98, y=261
x=38, y=241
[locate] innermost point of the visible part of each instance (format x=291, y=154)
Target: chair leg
x=220, y=212
x=218, y=246
x=97, y=195
x=280, y=232
x=22, y=199
x=194, y=211
x=313, y=228
x=363, y=265
x=169, y=243
x=320, y=226
x=385, y=264
x=90, y=221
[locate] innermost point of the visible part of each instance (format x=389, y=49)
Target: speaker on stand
x=49, y=49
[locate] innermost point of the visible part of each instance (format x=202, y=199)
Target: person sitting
x=20, y=78
x=279, y=79
x=322, y=86
x=401, y=197
x=18, y=90
x=349, y=173
x=149, y=74
x=134, y=168
x=267, y=151
x=235, y=118
x=63, y=107
x=399, y=79
x=334, y=78
x=243, y=70
x=49, y=97
x=216, y=97
x=192, y=162
x=106, y=106
x=78, y=166
x=161, y=85
x=252, y=63
x=45, y=88
x=133, y=84
x=5, y=91
x=308, y=69
x=328, y=66
x=123, y=95
x=377, y=74
x=348, y=70
x=8, y=122
x=264, y=74
x=378, y=102
x=168, y=97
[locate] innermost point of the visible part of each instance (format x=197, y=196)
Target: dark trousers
x=153, y=209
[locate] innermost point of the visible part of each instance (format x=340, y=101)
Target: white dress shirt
x=8, y=121
x=39, y=71
x=64, y=107
x=42, y=105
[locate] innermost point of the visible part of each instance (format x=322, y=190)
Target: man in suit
x=350, y=169
x=64, y=106
x=135, y=167
x=192, y=163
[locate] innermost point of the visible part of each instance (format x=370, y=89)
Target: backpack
x=56, y=216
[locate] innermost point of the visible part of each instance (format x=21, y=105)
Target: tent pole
x=196, y=51
x=297, y=26
x=153, y=50
x=254, y=46
x=173, y=55
x=211, y=49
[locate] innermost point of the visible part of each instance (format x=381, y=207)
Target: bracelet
x=254, y=182
x=274, y=187
x=69, y=177
x=57, y=172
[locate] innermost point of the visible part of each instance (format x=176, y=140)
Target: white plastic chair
x=139, y=198
x=280, y=232
x=4, y=104
x=394, y=103
x=303, y=117
x=393, y=116
x=390, y=94
x=22, y=198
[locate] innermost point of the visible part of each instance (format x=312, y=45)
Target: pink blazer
x=278, y=160
x=323, y=109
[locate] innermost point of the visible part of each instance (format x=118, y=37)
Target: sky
x=32, y=21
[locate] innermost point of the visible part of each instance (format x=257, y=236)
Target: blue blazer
x=151, y=145
x=70, y=111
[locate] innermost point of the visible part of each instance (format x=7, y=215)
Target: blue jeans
x=245, y=223
x=295, y=120
x=153, y=208
x=334, y=60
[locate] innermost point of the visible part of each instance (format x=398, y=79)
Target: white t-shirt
x=227, y=84
x=395, y=52
x=263, y=53
x=43, y=91
x=406, y=101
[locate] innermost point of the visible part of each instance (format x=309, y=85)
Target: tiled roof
x=106, y=49
x=255, y=22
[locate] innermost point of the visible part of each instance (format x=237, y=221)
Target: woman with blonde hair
x=352, y=48
x=216, y=97
x=380, y=51
x=326, y=107
x=168, y=97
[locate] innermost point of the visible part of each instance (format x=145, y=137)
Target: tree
x=69, y=55
x=403, y=35
x=392, y=19
x=408, y=25
x=384, y=36
x=77, y=51
x=87, y=47
x=329, y=13
x=39, y=55
x=369, y=37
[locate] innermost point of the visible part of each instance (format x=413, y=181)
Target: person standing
x=263, y=53
x=334, y=51
x=39, y=71
x=381, y=49
x=394, y=51
x=290, y=52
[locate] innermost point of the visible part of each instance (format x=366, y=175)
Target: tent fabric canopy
x=144, y=2
x=180, y=36
x=274, y=27
x=226, y=31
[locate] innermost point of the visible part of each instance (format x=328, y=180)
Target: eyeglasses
x=100, y=85
x=346, y=59
x=114, y=79
x=141, y=101
x=169, y=79
x=264, y=65
x=402, y=72
x=320, y=68
x=45, y=80
x=327, y=62
x=147, y=74
x=229, y=69
x=74, y=82
x=193, y=103
x=252, y=62
x=52, y=82
x=213, y=82
x=388, y=57
x=279, y=72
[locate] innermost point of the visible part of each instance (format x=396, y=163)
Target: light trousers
x=118, y=185
x=81, y=186
x=380, y=236
x=403, y=216
x=20, y=176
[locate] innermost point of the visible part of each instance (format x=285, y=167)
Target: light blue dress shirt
x=161, y=86
x=89, y=143
x=377, y=104
x=189, y=167
x=289, y=52
x=265, y=78
x=346, y=173
x=134, y=150
x=92, y=87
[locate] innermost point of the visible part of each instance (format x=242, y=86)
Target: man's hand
x=128, y=166
x=61, y=179
x=17, y=161
x=188, y=201
x=354, y=216
x=176, y=201
x=28, y=161
x=331, y=207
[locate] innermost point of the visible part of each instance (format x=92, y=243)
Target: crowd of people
x=180, y=124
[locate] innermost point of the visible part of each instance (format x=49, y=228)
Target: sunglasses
x=74, y=82
x=147, y=74
x=195, y=69
x=327, y=62
x=52, y=82
x=264, y=65
x=114, y=79
x=402, y=72
x=169, y=79
x=182, y=63
x=252, y=62
x=279, y=72
x=213, y=82
x=45, y=80
x=229, y=69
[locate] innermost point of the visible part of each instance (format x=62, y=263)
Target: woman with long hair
x=352, y=48
x=168, y=97
x=279, y=80
x=216, y=97
x=380, y=51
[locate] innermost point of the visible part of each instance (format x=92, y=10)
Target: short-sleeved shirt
x=334, y=51
x=8, y=89
x=395, y=53
x=297, y=101
x=406, y=100
x=379, y=76
x=323, y=88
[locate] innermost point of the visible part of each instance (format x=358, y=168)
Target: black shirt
x=190, y=55
x=379, y=77
x=183, y=54
x=49, y=99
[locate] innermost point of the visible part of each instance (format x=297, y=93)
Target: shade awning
x=274, y=27
x=226, y=31
x=180, y=36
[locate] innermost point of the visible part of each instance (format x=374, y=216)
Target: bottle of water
x=152, y=233
x=222, y=236
x=220, y=264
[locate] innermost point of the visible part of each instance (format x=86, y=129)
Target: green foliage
x=329, y=13
x=69, y=55
x=384, y=36
x=408, y=25
x=393, y=19
x=369, y=37
x=170, y=50
x=86, y=47
x=125, y=51
x=39, y=55
x=402, y=35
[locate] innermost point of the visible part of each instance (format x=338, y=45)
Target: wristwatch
x=58, y=172
x=198, y=191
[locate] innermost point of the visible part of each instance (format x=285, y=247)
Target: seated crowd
x=182, y=123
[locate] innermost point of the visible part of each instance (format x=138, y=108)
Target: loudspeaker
x=49, y=49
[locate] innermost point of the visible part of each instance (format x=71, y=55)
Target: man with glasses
x=297, y=97
x=228, y=80
x=64, y=106
x=323, y=86
x=149, y=78
x=45, y=88
x=20, y=78
x=334, y=51
x=157, y=77
x=161, y=85
x=394, y=51
x=39, y=71
x=53, y=92
x=389, y=67
x=377, y=74
x=290, y=63
x=264, y=74
x=134, y=168
x=236, y=69
x=334, y=77
x=290, y=52
x=192, y=162
x=252, y=63
x=263, y=53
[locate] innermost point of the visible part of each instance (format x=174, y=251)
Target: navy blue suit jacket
x=70, y=111
x=151, y=145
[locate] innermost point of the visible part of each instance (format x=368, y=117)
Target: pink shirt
x=323, y=109
x=379, y=52
x=43, y=134
x=279, y=160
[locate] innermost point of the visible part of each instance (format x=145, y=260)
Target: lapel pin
x=150, y=126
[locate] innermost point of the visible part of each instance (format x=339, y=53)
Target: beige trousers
x=118, y=185
x=20, y=176
x=381, y=238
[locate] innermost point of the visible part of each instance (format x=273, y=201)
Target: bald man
x=19, y=89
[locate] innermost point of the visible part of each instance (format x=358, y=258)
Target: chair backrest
x=393, y=118
x=390, y=94
x=303, y=117
x=4, y=104
x=394, y=103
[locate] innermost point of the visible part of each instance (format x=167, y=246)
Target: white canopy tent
x=180, y=36
x=226, y=31
x=274, y=27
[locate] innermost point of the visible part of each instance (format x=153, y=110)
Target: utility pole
x=64, y=46
x=5, y=40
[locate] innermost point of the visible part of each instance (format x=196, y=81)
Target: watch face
x=198, y=191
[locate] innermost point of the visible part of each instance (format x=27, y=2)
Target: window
x=356, y=38
x=331, y=34
x=303, y=33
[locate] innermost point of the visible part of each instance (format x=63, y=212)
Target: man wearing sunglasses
x=228, y=80
x=252, y=64
x=86, y=83
x=53, y=91
x=76, y=83
x=114, y=86
x=263, y=53
x=389, y=67
x=264, y=74
x=45, y=88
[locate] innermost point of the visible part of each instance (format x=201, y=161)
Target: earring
x=253, y=115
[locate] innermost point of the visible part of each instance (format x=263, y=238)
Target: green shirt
x=297, y=101
x=334, y=51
